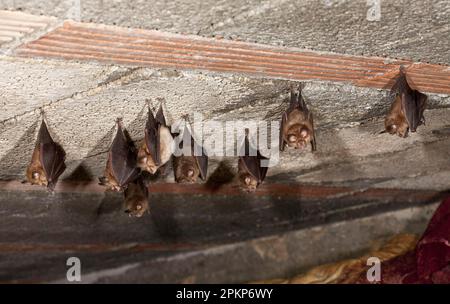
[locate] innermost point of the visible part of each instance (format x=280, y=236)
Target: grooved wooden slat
x=136, y=47
x=14, y=25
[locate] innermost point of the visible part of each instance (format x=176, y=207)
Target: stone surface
x=196, y=238
x=416, y=30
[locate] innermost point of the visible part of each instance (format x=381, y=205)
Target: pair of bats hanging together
x=122, y=174
x=157, y=148
x=296, y=131
x=406, y=112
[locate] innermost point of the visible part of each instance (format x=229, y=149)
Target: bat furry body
x=406, y=112
x=297, y=125
x=121, y=164
x=188, y=168
x=156, y=149
x=250, y=172
x=47, y=161
x=136, y=198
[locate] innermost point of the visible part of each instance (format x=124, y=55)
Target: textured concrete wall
x=82, y=101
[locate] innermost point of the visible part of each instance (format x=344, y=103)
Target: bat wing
x=43, y=135
x=202, y=160
x=202, y=163
x=283, y=123
x=313, y=135
x=160, y=118
x=297, y=101
x=52, y=156
x=401, y=83
x=422, y=101
x=152, y=137
x=252, y=165
x=262, y=170
x=52, y=160
x=123, y=159
x=413, y=106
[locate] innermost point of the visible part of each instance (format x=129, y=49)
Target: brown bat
x=156, y=149
x=189, y=167
x=250, y=172
x=47, y=162
x=406, y=112
x=297, y=126
x=136, y=198
x=121, y=164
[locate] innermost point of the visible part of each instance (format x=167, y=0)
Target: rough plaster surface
x=411, y=29
x=82, y=101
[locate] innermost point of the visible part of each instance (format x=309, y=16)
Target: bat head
x=145, y=160
x=136, y=200
x=35, y=171
x=36, y=176
x=248, y=182
x=135, y=206
x=187, y=170
x=298, y=136
x=397, y=126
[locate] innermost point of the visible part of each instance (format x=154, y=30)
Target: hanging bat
x=121, y=164
x=250, y=172
x=156, y=149
x=188, y=168
x=297, y=126
x=406, y=112
x=136, y=198
x=47, y=162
